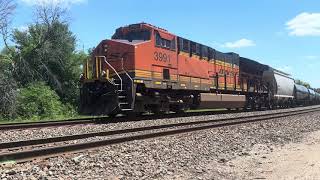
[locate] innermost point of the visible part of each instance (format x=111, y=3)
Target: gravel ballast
x=199, y=154
x=39, y=133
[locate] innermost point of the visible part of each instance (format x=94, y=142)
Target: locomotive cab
x=116, y=68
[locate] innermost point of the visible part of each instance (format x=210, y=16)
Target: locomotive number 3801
x=159, y=56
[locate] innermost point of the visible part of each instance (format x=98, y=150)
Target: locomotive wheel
x=155, y=109
x=114, y=113
x=179, y=111
x=133, y=114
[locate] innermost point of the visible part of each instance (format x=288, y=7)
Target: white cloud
x=311, y=57
x=65, y=3
x=239, y=44
x=305, y=24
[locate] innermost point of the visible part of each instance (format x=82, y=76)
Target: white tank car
x=281, y=85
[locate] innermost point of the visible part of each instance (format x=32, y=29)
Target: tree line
x=39, y=65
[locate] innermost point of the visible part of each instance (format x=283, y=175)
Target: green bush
x=38, y=100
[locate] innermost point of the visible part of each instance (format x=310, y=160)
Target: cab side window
x=165, y=43
x=158, y=40
x=193, y=48
x=173, y=44
x=204, y=52
x=198, y=49
x=186, y=45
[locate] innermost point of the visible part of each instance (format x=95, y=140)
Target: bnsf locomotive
x=144, y=68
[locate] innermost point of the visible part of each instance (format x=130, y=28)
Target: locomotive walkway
x=22, y=151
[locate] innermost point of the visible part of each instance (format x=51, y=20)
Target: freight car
x=281, y=87
x=317, y=98
x=301, y=95
x=144, y=68
x=312, y=96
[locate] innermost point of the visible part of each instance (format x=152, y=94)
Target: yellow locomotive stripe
x=228, y=64
x=195, y=80
x=157, y=75
x=219, y=62
x=184, y=78
x=184, y=53
x=142, y=73
x=205, y=81
x=173, y=77
x=87, y=70
x=196, y=56
x=97, y=73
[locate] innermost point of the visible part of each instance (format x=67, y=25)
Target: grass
x=13, y=121
x=33, y=120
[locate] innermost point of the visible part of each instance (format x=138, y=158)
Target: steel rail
x=32, y=142
x=105, y=119
x=37, y=153
x=16, y=126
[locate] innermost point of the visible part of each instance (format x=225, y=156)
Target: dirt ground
x=292, y=161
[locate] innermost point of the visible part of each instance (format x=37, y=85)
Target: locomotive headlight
x=103, y=74
x=81, y=78
x=138, y=81
x=105, y=47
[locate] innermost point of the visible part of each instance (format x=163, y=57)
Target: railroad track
x=25, y=152
x=18, y=126
x=104, y=119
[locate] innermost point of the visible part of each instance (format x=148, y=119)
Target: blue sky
x=284, y=34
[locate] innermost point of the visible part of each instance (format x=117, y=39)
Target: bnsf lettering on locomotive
x=159, y=56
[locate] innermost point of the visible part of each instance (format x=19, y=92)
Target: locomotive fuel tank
x=211, y=100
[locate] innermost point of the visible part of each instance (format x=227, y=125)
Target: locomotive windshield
x=142, y=35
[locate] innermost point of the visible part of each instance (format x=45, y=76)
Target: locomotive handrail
x=126, y=72
x=105, y=60
x=128, y=77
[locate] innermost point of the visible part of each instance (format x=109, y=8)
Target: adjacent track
x=126, y=136
x=16, y=126
x=104, y=119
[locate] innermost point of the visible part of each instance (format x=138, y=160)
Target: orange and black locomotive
x=143, y=68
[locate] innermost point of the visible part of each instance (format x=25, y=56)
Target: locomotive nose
x=98, y=98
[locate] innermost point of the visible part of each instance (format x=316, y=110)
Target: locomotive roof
x=251, y=66
x=149, y=25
